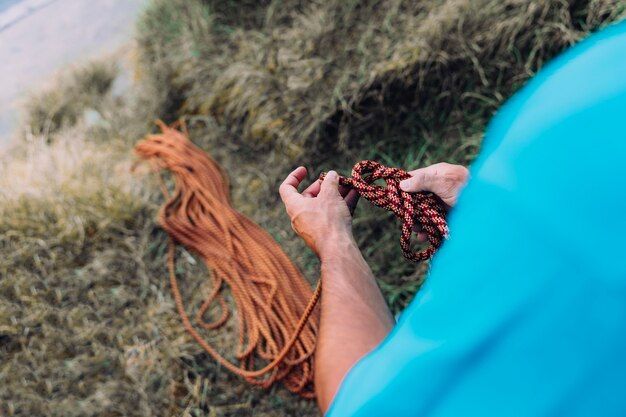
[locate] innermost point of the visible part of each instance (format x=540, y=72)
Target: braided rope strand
x=424, y=208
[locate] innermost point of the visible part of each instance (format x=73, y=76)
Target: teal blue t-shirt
x=524, y=311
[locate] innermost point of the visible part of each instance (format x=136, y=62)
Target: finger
x=289, y=187
x=420, y=181
x=313, y=190
x=351, y=199
x=330, y=185
x=422, y=237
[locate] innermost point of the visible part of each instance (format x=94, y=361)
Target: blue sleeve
x=524, y=311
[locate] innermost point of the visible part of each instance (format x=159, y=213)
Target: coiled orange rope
x=277, y=324
x=275, y=304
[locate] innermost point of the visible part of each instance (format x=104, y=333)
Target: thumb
x=417, y=182
x=330, y=185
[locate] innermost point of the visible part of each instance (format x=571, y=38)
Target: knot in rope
x=424, y=208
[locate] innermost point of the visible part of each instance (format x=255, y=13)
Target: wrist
x=337, y=246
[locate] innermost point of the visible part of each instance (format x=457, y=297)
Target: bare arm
x=354, y=315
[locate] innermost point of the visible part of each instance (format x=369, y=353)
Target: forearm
x=354, y=316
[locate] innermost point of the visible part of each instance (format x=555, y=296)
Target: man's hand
x=322, y=214
x=445, y=180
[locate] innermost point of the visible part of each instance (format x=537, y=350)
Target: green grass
x=87, y=324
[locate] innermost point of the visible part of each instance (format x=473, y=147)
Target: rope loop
x=422, y=208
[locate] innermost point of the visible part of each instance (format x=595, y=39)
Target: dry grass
x=328, y=72
x=87, y=325
x=74, y=93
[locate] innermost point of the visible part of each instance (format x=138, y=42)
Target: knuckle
x=459, y=173
x=451, y=173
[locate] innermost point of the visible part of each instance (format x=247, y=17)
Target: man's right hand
x=322, y=214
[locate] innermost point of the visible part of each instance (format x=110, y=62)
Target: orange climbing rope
x=277, y=324
x=275, y=304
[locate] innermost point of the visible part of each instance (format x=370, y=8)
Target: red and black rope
x=422, y=207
